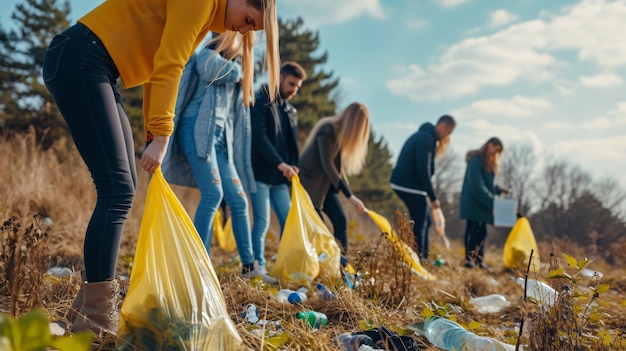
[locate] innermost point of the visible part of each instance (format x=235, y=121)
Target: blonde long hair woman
x=143, y=42
x=336, y=148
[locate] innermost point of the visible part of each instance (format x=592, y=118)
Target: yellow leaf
x=473, y=325
x=558, y=273
x=582, y=264
x=602, y=288
x=427, y=312
x=571, y=261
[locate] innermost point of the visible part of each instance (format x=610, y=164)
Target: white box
x=504, y=212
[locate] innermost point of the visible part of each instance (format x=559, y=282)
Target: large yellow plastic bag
x=174, y=301
x=307, y=246
x=409, y=257
x=518, y=245
x=224, y=232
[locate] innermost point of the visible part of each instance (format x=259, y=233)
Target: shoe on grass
x=257, y=273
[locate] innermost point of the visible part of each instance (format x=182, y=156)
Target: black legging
x=81, y=77
x=334, y=211
x=475, y=235
x=418, y=210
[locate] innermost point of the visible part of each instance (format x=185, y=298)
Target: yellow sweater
x=150, y=42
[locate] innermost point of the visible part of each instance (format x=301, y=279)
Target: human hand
x=504, y=191
x=358, y=204
x=436, y=204
x=288, y=171
x=153, y=154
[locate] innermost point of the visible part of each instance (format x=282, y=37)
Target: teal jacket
x=478, y=192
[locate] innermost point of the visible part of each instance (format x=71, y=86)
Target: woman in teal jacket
x=477, y=198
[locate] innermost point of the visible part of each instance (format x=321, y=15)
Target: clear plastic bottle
x=313, y=318
x=325, y=293
x=251, y=313
x=351, y=342
x=541, y=292
x=490, y=304
x=448, y=335
x=293, y=297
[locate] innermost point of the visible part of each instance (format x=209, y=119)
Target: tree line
x=561, y=201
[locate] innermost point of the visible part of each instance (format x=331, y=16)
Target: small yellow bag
x=307, y=247
x=518, y=245
x=403, y=250
x=174, y=301
x=224, y=232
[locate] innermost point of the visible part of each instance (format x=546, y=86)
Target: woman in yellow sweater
x=143, y=42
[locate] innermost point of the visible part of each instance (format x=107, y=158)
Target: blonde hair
x=490, y=165
x=229, y=39
x=352, y=131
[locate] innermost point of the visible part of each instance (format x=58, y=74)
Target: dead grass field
x=57, y=185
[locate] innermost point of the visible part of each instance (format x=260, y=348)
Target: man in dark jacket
x=274, y=154
x=411, y=177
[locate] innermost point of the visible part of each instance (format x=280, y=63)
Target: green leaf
x=473, y=325
x=558, y=273
x=34, y=331
x=77, y=342
x=602, y=288
x=571, y=261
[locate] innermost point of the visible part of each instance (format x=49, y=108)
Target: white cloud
x=416, y=23
x=517, y=107
x=451, y=3
x=597, y=124
x=325, y=12
x=522, y=52
x=601, y=81
x=500, y=18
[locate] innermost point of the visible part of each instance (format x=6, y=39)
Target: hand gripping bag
x=406, y=253
x=307, y=248
x=174, y=301
x=518, y=245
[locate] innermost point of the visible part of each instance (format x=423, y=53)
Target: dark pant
x=418, y=212
x=81, y=76
x=475, y=235
x=334, y=211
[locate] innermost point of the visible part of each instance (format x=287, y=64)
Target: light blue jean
x=280, y=199
x=209, y=175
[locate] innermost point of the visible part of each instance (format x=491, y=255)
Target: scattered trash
x=490, y=304
x=291, y=296
x=251, y=314
x=384, y=339
x=59, y=272
x=588, y=273
x=540, y=292
x=47, y=221
x=324, y=293
x=492, y=281
x=448, y=335
x=315, y=319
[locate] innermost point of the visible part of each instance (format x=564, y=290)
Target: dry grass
x=57, y=185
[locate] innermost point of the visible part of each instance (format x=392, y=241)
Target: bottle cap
x=294, y=298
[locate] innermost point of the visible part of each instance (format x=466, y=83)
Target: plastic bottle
x=325, y=293
x=293, y=297
x=490, y=304
x=251, y=313
x=588, y=273
x=448, y=335
x=313, y=318
x=541, y=292
x=351, y=342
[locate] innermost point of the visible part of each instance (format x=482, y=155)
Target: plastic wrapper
x=307, y=248
x=174, y=301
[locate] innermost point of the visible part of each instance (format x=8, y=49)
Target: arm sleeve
x=325, y=145
x=262, y=147
x=424, y=154
x=343, y=187
x=479, y=191
x=185, y=22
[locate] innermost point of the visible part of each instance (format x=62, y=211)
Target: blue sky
x=548, y=74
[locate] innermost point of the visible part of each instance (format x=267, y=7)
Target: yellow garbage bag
x=224, y=232
x=307, y=247
x=174, y=301
x=409, y=257
x=518, y=245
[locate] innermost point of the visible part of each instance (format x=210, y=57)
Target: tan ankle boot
x=98, y=312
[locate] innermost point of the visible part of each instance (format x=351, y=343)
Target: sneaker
x=485, y=266
x=257, y=273
x=469, y=264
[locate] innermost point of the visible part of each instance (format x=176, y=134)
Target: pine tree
x=315, y=99
x=24, y=100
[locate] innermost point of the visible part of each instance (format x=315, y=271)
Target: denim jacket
x=215, y=75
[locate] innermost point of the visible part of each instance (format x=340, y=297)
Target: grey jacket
x=215, y=75
x=320, y=165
